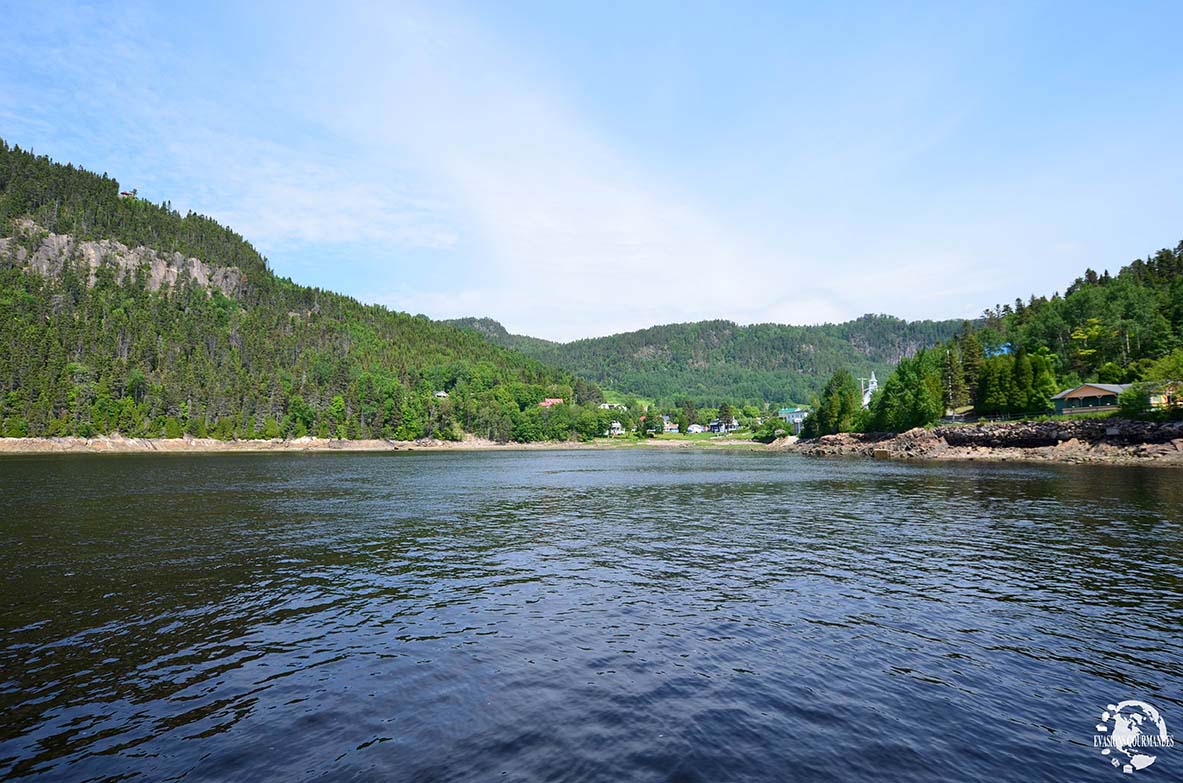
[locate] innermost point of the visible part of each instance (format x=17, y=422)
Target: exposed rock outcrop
x=1081, y=440
x=52, y=252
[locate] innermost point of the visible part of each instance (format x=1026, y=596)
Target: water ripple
x=579, y=617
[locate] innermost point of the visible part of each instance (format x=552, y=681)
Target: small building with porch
x=1089, y=396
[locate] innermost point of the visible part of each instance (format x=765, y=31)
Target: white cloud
x=469, y=180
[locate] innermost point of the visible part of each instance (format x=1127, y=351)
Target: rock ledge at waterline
x=1082, y=440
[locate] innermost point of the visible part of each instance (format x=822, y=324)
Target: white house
x=696, y=429
x=717, y=425
x=794, y=417
x=614, y=429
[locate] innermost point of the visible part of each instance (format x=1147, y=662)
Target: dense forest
x=1125, y=328
x=711, y=362
x=90, y=350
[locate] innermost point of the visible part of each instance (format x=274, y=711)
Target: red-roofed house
x=549, y=401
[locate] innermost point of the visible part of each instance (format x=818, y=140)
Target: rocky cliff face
x=52, y=252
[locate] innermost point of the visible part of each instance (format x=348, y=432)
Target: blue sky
x=576, y=170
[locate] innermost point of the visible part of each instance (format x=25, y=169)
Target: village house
x=1090, y=396
x=441, y=395
x=611, y=406
x=670, y=426
x=614, y=429
x=794, y=417
x=717, y=425
x=696, y=429
x=550, y=402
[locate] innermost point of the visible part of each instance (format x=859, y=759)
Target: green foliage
x=276, y=360
x=1105, y=326
x=1107, y=329
x=770, y=430
x=954, y=391
x=1134, y=402
x=714, y=361
x=64, y=199
x=1168, y=368
x=911, y=397
x=650, y=426
x=839, y=408
x=726, y=414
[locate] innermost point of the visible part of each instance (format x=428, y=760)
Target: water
x=580, y=616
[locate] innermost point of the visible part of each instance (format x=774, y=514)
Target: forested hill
x=1112, y=329
x=1106, y=328
x=714, y=361
x=122, y=315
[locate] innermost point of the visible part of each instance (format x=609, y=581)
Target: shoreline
x=1104, y=441
x=118, y=444
x=1097, y=441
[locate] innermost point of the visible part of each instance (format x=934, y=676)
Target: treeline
x=278, y=360
x=1126, y=328
x=711, y=362
x=64, y=199
x=1110, y=329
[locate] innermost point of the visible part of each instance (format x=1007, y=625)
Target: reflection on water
x=579, y=616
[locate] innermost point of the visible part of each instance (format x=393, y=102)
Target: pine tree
x=1024, y=383
x=972, y=360
x=956, y=393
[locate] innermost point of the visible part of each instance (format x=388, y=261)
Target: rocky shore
x=117, y=444
x=1084, y=441
x=1081, y=440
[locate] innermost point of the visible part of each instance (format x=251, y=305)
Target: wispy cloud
x=795, y=170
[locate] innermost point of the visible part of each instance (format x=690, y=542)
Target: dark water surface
x=580, y=616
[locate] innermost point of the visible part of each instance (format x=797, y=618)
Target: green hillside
x=714, y=361
x=1107, y=328
x=1111, y=329
x=94, y=342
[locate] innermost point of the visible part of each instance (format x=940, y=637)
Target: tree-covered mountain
x=710, y=362
x=121, y=315
x=1120, y=329
x=1106, y=328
